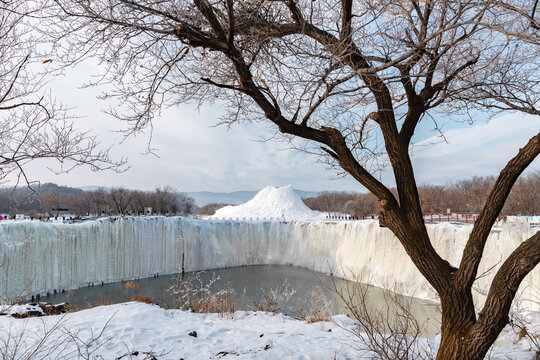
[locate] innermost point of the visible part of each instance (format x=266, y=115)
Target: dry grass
x=25, y=344
x=274, y=300
x=391, y=331
x=87, y=305
x=103, y=302
x=522, y=329
x=319, y=309
x=318, y=317
x=199, y=297
x=131, y=286
x=221, y=302
x=195, y=296
x=143, y=298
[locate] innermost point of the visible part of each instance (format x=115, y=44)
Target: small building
x=148, y=210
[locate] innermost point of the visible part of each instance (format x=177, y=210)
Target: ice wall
x=37, y=257
x=350, y=249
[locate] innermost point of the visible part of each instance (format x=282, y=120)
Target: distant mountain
x=91, y=188
x=306, y=194
x=51, y=187
x=41, y=189
x=201, y=197
x=234, y=198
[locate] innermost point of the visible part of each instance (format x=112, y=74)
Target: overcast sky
x=195, y=156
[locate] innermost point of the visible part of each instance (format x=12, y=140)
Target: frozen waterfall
x=36, y=258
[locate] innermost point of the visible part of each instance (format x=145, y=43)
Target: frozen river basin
x=294, y=291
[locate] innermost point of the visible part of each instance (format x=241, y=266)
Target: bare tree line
x=210, y=209
x=114, y=201
x=466, y=196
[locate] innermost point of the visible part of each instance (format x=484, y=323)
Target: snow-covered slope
x=271, y=202
x=141, y=331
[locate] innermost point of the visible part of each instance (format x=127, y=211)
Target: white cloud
x=482, y=149
x=194, y=155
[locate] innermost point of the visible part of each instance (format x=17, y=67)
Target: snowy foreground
x=137, y=330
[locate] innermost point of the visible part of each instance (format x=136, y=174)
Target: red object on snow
x=1, y=217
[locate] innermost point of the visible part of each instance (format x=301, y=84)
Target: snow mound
x=271, y=202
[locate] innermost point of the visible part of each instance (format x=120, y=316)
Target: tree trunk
x=458, y=318
x=456, y=348
x=473, y=345
x=463, y=336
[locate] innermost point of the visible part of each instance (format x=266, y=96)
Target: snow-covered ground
x=271, y=202
x=136, y=330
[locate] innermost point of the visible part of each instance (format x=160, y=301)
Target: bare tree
x=53, y=202
x=363, y=205
x=139, y=201
x=525, y=198
x=185, y=205
x=474, y=192
x=387, y=326
x=349, y=80
x=358, y=205
x=119, y=200
x=32, y=125
x=164, y=199
x=81, y=205
x=210, y=209
x=99, y=200
x=167, y=200
x=427, y=195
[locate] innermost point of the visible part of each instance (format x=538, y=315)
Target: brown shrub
x=131, y=286
x=143, y=298
x=198, y=297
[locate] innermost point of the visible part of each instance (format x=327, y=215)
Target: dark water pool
x=298, y=291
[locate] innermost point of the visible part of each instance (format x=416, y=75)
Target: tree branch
x=208, y=12
x=224, y=86
x=494, y=316
x=346, y=18
x=472, y=254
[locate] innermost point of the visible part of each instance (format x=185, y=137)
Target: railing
x=462, y=218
